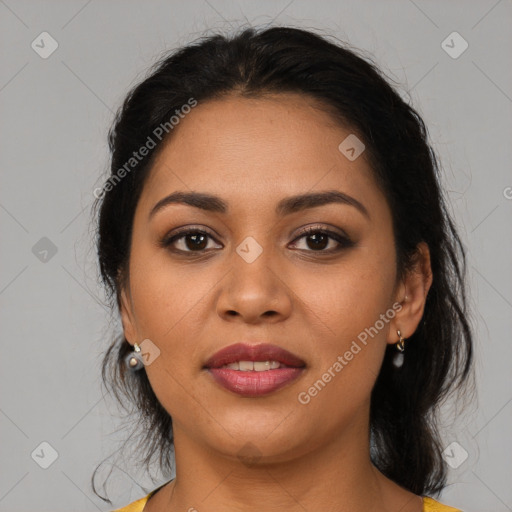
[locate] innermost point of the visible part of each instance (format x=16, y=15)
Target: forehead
x=248, y=150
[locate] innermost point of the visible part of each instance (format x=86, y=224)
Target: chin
x=260, y=444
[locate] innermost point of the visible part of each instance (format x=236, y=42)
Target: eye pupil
x=318, y=244
x=197, y=241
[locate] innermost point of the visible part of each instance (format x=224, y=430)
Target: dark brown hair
x=405, y=442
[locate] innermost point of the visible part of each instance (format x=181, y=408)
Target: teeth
x=257, y=366
x=246, y=366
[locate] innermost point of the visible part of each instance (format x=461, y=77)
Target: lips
x=273, y=368
x=261, y=352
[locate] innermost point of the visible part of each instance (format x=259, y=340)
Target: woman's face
x=256, y=277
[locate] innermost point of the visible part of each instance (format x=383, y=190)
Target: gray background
x=55, y=115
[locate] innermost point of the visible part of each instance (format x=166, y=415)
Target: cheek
x=168, y=307
x=352, y=298
x=352, y=309
x=349, y=350
x=165, y=295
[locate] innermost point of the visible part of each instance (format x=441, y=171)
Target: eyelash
x=343, y=241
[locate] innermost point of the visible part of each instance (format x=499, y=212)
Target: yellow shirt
x=429, y=505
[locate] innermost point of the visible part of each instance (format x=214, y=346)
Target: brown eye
x=190, y=241
x=195, y=241
x=317, y=240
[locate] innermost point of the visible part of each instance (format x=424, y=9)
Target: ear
x=127, y=316
x=412, y=295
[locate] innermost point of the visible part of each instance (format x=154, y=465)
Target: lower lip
x=252, y=383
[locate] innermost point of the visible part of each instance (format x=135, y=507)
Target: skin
x=252, y=153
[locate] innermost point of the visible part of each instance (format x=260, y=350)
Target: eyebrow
x=285, y=207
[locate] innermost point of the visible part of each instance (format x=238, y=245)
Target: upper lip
x=260, y=352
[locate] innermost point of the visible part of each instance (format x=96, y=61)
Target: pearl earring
x=134, y=359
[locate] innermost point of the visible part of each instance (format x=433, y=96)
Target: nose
x=254, y=291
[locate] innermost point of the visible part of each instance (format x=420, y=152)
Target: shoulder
x=140, y=504
x=431, y=505
x=136, y=506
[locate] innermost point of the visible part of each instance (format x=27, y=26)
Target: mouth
x=254, y=370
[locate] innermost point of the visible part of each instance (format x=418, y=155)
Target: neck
x=334, y=476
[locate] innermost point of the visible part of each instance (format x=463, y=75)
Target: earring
x=134, y=359
x=398, y=358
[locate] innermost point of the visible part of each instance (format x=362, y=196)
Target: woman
x=290, y=284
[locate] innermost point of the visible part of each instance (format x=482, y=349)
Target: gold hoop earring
x=398, y=358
